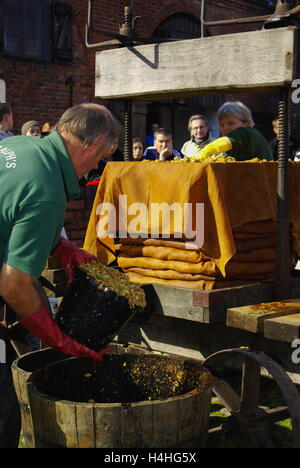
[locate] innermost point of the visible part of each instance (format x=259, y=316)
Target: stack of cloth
x=169, y=262
x=240, y=209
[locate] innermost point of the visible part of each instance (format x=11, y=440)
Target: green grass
x=280, y=433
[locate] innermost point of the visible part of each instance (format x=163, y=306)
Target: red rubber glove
x=41, y=324
x=70, y=256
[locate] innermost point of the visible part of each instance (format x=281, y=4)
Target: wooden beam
x=285, y=328
x=258, y=59
x=252, y=318
x=203, y=306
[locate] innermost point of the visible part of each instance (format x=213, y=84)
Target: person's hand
x=71, y=256
x=166, y=152
x=42, y=324
x=217, y=146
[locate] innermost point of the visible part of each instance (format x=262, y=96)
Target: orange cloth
x=162, y=253
x=201, y=285
x=207, y=268
x=257, y=255
x=240, y=207
x=168, y=274
x=248, y=245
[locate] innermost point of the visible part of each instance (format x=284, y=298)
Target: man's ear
x=98, y=142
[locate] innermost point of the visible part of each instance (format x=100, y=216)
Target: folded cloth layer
x=207, y=268
x=248, y=245
x=203, y=285
x=257, y=255
x=199, y=285
x=163, y=253
x=240, y=209
x=168, y=274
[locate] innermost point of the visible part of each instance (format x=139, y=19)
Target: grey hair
x=87, y=122
x=236, y=109
x=197, y=117
x=162, y=131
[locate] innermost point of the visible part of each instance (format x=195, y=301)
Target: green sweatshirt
x=37, y=178
x=248, y=143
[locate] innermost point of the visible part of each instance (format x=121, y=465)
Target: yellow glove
x=220, y=145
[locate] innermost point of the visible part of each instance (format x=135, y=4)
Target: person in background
x=31, y=128
x=6, y=121
x=239, y=139
x=294, y=150
x=46, y=129
x=137, y=149
x=163, y=147
x=150, y=137
x=198, y=127
x=45, y=174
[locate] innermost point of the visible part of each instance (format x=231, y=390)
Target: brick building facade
x=42, y=87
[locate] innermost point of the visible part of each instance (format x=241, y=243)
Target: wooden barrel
x=57, y=422
x=22, y=370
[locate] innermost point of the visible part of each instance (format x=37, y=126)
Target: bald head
x=86, y=122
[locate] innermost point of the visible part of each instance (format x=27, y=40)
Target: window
x=180, y=26
x=62, y=31
x=25, y=28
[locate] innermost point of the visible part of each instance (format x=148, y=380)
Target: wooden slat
x=252, y=318
x=55, y=276
x=85, y=425
x=175, y=302
x=285, y=328
x=212, y=64
x=53, y=262
x=166, y=435
x=108, y=421
x=204, y=306
x=137, y=425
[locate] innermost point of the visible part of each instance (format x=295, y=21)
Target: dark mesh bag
x=90, y=315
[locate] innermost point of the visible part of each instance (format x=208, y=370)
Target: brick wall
x=78, y=214
x=40, y=90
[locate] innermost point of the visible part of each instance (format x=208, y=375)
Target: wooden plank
x=229, y=62
x=108, y=421
x=53, y=262
x=54, y=422
x=252, y=318
x=85, y=425
x=174, y=302
x=20, y=378
x=204, y=306
x=165, y=424
x=55, y=276
x=285, y=328
x=136, y=426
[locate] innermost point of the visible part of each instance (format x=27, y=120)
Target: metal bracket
x=282, y=14
x=126, y=36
